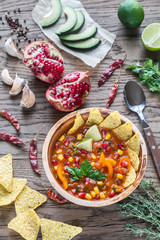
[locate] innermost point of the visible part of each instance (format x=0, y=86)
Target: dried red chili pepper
x=113, y=92
x=118, y=63
x=56, y=197
x=10, y=138
x=11, y=118
x=33, y=153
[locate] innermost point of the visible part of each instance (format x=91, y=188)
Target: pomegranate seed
x=74, y=191
x=66, y=143
x=97, y=197
x=65, y=169
x=80, y=130
x=81, y=195
x=124, y=164
x=54, y=162
x=108, y=149
x=84, y=131
x=29, y=52
x=77, y=160
x=83, y=151
x=116, y=156
x=56, y=145
x=25, y=60
x=103, y=131
x=111, y=194
x=105, y=145
x=66, y=163
x=66, y=155
x=120, y=146
x=87, y=181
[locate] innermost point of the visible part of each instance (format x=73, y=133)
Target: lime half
x=85, y=145
x=93, y=132
x=151, y=37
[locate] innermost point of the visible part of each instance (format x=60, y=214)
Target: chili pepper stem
x=35, y=138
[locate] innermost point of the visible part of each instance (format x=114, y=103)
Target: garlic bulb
x=28, y=97
x=10, y=48
x=6, y=78
x=17, y=86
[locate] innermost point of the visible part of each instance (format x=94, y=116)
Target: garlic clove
x=28, y=97
x=10, y=48
x=17, y=86
x=6, y=78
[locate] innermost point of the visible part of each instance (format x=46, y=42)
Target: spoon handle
x=153, y=148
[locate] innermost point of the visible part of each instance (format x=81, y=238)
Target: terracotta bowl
x=54, y=134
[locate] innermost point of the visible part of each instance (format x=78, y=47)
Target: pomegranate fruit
x=69, y=92
x=44, y=60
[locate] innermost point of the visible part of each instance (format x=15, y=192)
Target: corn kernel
x=100, y=183
x=61, y=138
x=55, y=168
x=93, y=164
x=102, y=195
x=120, y=152
x=70, y=159
x=60, y=157
x=79, y=136
x=96, y=190
x=88, y=196
x=93, y=194
x=119, y=176
x=93, y=156
x=59, y=151
x=108, y=136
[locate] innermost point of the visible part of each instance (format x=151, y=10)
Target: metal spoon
x=136, y=101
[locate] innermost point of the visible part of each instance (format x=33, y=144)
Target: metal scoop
x=136, y=101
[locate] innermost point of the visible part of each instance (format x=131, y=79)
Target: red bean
x=66, y=155
x=81, y=195
x=105, y=145
x=97, y=197
x=124, y=164
x=111, y=194
x=54, y=162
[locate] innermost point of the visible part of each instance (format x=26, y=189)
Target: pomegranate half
x=44, y=60
x=69, y=92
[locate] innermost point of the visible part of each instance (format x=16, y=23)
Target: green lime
x=131, y=13
x=151, y=37
x=93, y=132
x=85, y=145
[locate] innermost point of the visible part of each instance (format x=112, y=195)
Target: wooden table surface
x=101, y=223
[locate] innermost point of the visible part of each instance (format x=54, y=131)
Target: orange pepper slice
x=126, y=160
x=111, y=161
x=106, y=163
x=63, y=179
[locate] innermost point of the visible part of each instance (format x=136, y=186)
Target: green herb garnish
x=146, y=208
x=85, y=170
x=148, y=74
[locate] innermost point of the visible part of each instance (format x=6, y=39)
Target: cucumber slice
x=70, y=23
x=53, y=15
x=79, y=23
x=83, y=45
x=85, y=145
x=88, y=33
x=94, y=133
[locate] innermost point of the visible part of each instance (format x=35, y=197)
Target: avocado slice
x=79, y=23
x=70, y=23
x=53, y=15
x=83, y=45
x=88, y=33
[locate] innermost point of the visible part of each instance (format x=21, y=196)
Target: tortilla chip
x=112, y=121
x=130, y=178
x=123, y=132
x=95, y=117
x=5, y=197
x=78, y=122
x=26, y=224
x=58, y=230
x=134, y=143
x=28, y=199
x=6, y=172
x=134, y=159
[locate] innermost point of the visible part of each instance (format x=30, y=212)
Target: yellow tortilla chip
x=134, y=159
x=58, y=230
x=112, y=121
x=6, y=172
x=123, y=132
x=5, y=197
x=95, y=117
x=28, y=199
x=26, y=224
x=78, y=122
x=134, y=143
x=130, y=178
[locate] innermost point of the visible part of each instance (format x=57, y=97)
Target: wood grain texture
x=102, y=223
